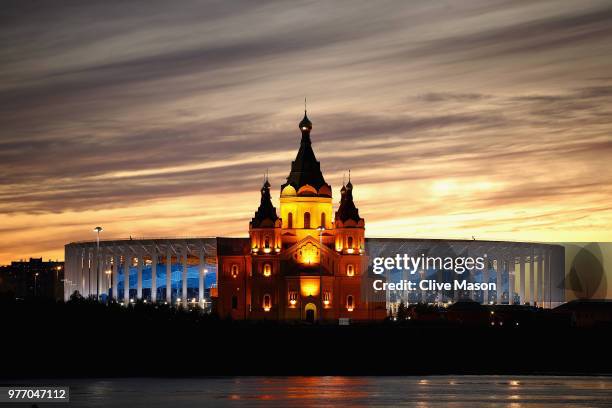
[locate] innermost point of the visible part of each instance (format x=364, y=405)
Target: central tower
x=305, y=199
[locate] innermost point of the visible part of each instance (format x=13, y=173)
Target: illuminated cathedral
x=304, y=264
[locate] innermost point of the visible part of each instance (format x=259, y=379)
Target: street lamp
x=35, y=282
x=57, y=269
x=98, y=230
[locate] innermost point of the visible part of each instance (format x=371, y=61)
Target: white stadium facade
x=182, y=271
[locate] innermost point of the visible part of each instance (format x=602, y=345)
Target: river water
x=425, y=391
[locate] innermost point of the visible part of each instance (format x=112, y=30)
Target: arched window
x=290, y=220
x=306, y=220
x=235, y=271
x=234, y=302
x=293, y=298
x=349, y=242
x=350, y=304
x=323, y=220
x=267, y=302
x=267, y=269
x=350, y=270
x=326, y=298
x=267, y=242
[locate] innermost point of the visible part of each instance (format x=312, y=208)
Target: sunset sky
x=157, y=118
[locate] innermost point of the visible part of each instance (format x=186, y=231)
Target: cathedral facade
x=303, y=262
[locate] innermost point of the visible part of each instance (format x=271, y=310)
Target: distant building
x=33, y=278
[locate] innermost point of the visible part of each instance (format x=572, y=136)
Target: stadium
x=186, y=270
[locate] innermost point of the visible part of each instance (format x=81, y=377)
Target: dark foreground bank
x=88, y=339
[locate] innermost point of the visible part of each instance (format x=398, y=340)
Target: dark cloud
x=544, y=34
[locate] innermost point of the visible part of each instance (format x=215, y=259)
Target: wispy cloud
x=486, y=118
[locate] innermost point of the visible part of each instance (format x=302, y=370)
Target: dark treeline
x=86, y=338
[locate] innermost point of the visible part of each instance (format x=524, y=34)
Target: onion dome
x=305, y=125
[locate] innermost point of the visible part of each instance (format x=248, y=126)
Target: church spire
x=266, y=210
x=305, y=124
x=347, y=209
x=306, y=169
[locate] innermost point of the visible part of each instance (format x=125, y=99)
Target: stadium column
x=404, y=292
x=95, y=265
x=485, y=279
x=423, y=292
x=76, y=275
x=499, y=287
x=547, y=282
x=139, y=277
x=104, y=278
x=115, y=274
x=87, y=272
x=81, y=274
x=92, y=272
x=510, y=266
x=541, y=279
x=108, y=271
x=184, y=280
x=472, y=278
x=522, y=261
x=387, y=291
x=201, y=282
x=154, y=275
x=126, y=278
x=168, y=276
x=532, y=278
x=86, y=266
x=88, y=269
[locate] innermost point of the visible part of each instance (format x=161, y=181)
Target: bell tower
x=264, y=228
x=350, y=227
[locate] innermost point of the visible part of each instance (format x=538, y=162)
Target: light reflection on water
x=425, y=392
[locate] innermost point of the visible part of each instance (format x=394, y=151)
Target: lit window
x=326, y=298
x=267, y=269
x=350, y=304
x=350, y=270
x=267, y=303
x=306, y=220
x=293, y=298
x=235, y=271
